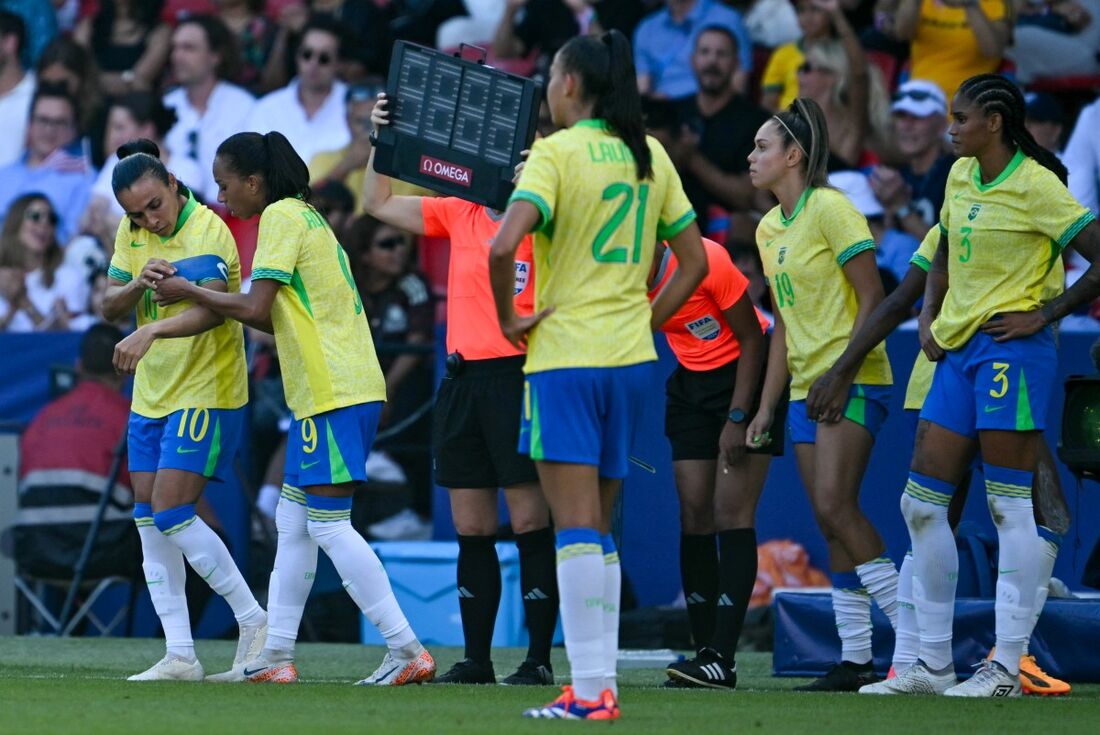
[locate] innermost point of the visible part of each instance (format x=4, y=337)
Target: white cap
x=857, y=187
x=920, y=98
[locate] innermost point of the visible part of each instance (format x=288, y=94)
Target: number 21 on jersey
x=626, y=199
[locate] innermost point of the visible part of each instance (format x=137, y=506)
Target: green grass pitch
x=77, y=686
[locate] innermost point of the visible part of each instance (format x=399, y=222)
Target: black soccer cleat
x=468, y=671
x=844, y=677
x=531, y=673
x=709, y=669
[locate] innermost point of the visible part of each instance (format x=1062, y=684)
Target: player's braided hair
x=994, y=93
x=803, y=124
x=605, y=67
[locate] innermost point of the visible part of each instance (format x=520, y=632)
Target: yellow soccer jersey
x=594, y=244
x=1003, y=239
x=920, y=380
x=781, y=73
x=204, y=371
x=803, y=257
x=325, y=346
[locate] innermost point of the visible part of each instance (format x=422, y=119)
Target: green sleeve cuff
x=854, y=250
x=664, y=232
x=119, y=275
x=270, y=274
x=943, y=230
x=771, y=87
x=1075, y=229
x=545, y=213
x=921, y=262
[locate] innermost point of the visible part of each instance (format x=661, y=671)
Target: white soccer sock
x=582, y=576
x=291, y=577
x=166, y=577
x=906, y=634
x=1008, y=493
x=880, y=579
x=209, y=558
x=1049, y=545
x=852, y=610
x=612, y=591
x=935, y=565
x=364, y=578
x=267, y=500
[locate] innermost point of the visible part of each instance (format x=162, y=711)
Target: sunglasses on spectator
x=37, y=215
x=390, y=243
x=364, y=92
x=808, y=68
x=324, y=58
x=917, y=95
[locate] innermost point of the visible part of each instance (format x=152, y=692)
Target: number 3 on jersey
x=604, y=253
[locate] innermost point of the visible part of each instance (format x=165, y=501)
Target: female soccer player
x=718, y=339
x=476, y=429
x=1007, y=216
x=599, y=194
x=819, y=259
x=303, y=293
x=827, y=396
x=189, y=392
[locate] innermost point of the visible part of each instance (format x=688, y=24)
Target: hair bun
x=138, y=145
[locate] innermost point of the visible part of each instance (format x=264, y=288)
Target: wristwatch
x=373, y=138
x=737, y=416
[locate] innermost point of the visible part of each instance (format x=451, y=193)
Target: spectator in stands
x=16, y=88
x=1056, y=39
x=912, y=193
x=772, y=23
x=348, y=164
x=336, y=204
x=542, y=25
x=952, y=40
x=779, y=85
x=40, y=20
x=310, y=111
x=838, y=78
x=664, y=42
x=129, y=41
x=1082, y=158
x=66, y=62
x=398, y=304
x=53, y=292
x=208, y=108
x=715, y=131
x=1046, y=120
x=132, y=116
x=255, y=34
x=54, y=163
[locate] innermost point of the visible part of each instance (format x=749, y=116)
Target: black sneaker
x=531, y=673
x=844, y=677
x=678, y=684
x=468, y=671
x=709, y=669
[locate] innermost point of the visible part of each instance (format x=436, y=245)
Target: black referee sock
x=699, y=573
x=736, y=578
x=478, y=593
x=538, y=582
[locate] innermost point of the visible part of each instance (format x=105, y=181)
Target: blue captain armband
x=202, y=268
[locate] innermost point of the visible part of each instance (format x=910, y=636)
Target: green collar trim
x=797, y=208
x=591, y=123
x=185, y=214
x=1012, y=166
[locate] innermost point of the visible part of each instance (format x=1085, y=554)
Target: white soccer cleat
x=249, y=646
x=396, y=672
x=917, y=679
x=171, y=668
x=990, y=680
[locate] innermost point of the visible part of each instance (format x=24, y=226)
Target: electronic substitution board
x=457, y=126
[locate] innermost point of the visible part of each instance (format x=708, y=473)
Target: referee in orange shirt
x=476, y=429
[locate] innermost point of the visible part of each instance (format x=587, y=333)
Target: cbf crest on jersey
x=706, y=328
x=523, y=275
x=974, y=212
x=782, y=254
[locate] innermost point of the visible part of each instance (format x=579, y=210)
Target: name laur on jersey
x=706, y=328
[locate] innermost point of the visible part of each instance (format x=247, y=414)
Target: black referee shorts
x=475, y=430
x=698, y=407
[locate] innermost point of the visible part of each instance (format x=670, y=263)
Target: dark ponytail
x=137, y=158
x=803, y=124
x=605, y=67
x=995, y=93
x=272, y=158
